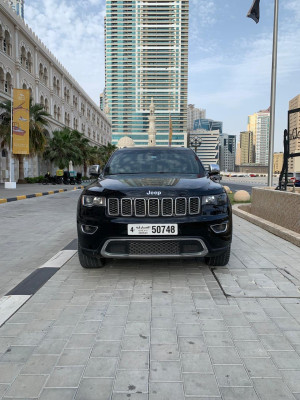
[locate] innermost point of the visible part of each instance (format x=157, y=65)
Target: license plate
x=152, y=229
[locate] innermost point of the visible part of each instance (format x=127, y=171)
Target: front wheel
x=88, y=261
x=220, y=260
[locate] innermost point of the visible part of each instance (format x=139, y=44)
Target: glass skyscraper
x=146, y=56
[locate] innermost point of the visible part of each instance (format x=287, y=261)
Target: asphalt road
x=246, y=183
x=32, y=231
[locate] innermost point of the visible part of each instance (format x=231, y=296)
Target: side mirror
x=213, y=169
x=94, y=170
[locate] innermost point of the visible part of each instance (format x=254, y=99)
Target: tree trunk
x=21, y=169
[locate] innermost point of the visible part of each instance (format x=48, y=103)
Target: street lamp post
x=195, y=142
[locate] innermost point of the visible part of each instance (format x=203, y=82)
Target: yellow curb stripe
x=61, y=190
x=38, y=194
x=3, y=201
x=51, y=192
x=21, y=197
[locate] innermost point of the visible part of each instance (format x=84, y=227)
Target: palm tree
x=62, y=148
x=37, y=124
x=105, y=152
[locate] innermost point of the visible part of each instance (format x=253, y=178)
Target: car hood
x=153, y=185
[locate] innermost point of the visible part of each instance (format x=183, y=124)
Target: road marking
x=21, y=197
x=9, y=305
x=59, y=259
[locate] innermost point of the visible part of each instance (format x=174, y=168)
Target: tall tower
x=152, y=130
x=294, y=162
x=146, y=55
x=17, y=6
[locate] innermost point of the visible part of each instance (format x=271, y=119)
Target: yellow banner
x=21, y=121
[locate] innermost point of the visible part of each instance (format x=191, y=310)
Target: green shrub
x=36, y=179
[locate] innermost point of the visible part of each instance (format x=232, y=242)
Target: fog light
x=219, y=228
x=89, y=229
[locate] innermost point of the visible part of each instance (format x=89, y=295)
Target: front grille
x=154, y=207
x=162, y=247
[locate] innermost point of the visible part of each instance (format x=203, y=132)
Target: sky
x=230, y=56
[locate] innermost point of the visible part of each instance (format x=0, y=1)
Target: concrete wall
x=281, y=208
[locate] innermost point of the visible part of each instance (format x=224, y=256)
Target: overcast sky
x=229, y=55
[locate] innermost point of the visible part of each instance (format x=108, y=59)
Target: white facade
x=26, y=63
x=208, y=151
x=262, y=137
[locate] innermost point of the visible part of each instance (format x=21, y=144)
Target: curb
x=29, y=196
x=284, y=233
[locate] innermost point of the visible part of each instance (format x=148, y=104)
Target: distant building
x=146, y=55
x=17, y=6
x=238, y=154
x=259, y=125
x=208, y=150
x=247, y=148
x=227, y=152
x=208, y=125
x=194, y=113
x=294, y=163
x=277, y=162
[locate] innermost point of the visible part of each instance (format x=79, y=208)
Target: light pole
x=195, y=142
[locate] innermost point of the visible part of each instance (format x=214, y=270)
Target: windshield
x=156, y=161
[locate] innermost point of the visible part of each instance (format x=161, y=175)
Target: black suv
x=153, y=202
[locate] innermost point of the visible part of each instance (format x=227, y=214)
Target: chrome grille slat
x=154, y=207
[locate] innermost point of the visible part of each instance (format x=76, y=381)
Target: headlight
x=90, y=201
x=215, y=199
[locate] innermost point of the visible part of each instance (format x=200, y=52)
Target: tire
x=45, y=182
x=88, y=261
x=220, y=260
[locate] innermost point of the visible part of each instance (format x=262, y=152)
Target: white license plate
x=152, y=229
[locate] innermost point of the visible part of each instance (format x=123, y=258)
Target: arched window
x=42, y=100
x=24, y=86
x=1, y=37
x=45, y=76
x=55, y=111
x=41, y=71
x=58, y=114
x=8, y=83
x=7, y=43
x=57, y=87
x=23, y=56
x=68, y=95
x=29, y=62
x=54, y=84
x=1, y=79
x=30, y=92
x=89, y=132
x=46, y=106
x=65, y=93
x=4, y=153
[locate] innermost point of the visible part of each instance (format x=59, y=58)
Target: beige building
x=294, y=134
x=238, y=154
x=277, y=162
x=26, y=63
x=247, y=148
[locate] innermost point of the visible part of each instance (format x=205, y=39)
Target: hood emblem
x=150, y=193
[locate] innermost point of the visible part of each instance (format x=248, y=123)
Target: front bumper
x=195, y=238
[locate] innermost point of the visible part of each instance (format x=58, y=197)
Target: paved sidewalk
x=169, y=330
x=34, y=188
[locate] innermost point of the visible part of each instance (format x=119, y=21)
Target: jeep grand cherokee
x=153, y=202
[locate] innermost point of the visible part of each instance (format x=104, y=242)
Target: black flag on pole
x=254, y=11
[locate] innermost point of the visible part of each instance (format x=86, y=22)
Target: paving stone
x=275, y=342
x=212, y=325
x=200, y=384
x=106, y=348
x=292, y=379
x=18, y=354
x=189, y=330
x=266, y=328
x=163, y=336
x=94, y=389
x=166, y=391
x=286, y=359
x=110, y=333
x=261, y=368
x=134, y=360
x=224, y=355
x=8, y=372
x=232, y=375
x=163, y=323
x=165, y=371
x=50, y=347
x=218, y=339
x=242, y=333
x=137, y=328
x=162, y=312
x=133, y=396
x=39, y=364
x=113, y=320
x=270, y=389
x=81, y=341
x=65, y=377
x=238, y=393
x=164, y=352
x=26, y=386
x=131, y=381
x=192, y=345
x=54, y=394
x=293, y=336
x=196, y=363
x=103, y=367
x=287, y=324
x=250, y=348
x=71, y=357
x=139, y=342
